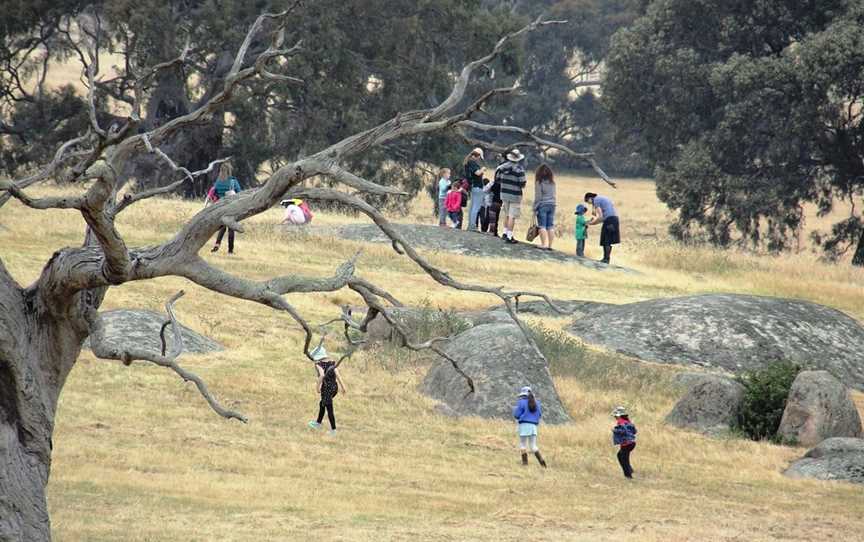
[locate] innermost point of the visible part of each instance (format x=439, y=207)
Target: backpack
x=307, y=212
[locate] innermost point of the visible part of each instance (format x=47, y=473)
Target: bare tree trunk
x=858, y=258
x=38, y=347
x=23, y=477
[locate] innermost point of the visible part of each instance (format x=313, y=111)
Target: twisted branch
x=103, y=351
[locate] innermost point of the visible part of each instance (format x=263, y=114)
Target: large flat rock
x=730, y=332
x=138, y=328
x=840, y=459
x=500, y=361
x=454, y=241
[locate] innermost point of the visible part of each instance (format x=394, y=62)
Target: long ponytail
x=532, y=402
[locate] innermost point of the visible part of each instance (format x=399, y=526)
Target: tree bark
x=858, y=257
x=39, y=343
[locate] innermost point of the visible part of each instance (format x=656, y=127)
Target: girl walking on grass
x=329, y=381
x=225, y=185
x=527, y=413
x=624, y=436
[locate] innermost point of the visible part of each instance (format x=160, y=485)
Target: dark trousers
x=455, y=218
x=489, y=218
x=230, y=237
x=624, y=459
x=330, y=415
x=580, y=248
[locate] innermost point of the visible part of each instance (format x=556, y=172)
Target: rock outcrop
x=125, y=328
x=454, y=241
x=818, y=407
x=709, y=405
x=833, y=459
x=500, y=361
x=836, y=445
x=730, y=332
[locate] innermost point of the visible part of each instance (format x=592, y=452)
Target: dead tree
x=43, y=325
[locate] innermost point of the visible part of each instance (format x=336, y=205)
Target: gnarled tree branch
x=102, y=350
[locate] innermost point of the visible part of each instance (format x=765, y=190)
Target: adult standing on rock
x=605, y=213
x=474, y=176
x=511, y=175
x=544, y=204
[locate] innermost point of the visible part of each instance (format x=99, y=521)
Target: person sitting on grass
x=624, y=436
x=581, y=230
x=329, y=381
x=527, y=413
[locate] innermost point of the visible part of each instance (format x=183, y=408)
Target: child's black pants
x=322, y=406
x=624, y=459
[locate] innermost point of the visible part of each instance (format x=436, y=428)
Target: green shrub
x=765, y=393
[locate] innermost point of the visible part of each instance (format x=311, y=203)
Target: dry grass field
x=139, y=456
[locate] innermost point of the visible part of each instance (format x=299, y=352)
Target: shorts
x=511, y=209
x=610, y=234
x=546, y=217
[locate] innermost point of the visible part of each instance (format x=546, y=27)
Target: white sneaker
x=332, y=432
x=314, y=425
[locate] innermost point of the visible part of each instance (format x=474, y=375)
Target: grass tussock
x=138, y=456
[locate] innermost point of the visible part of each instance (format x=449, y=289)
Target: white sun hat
x=318, y=354
x=515, y=156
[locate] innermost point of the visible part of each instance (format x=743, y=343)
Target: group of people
x=487, y=199
x=527, y=414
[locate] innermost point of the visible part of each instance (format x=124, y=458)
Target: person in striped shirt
x=511, y=175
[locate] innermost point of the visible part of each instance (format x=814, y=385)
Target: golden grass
x=138, y=456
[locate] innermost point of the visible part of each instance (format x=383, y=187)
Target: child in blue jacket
x=624, y=436
x=528, y=412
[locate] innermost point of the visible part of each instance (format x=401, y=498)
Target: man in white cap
x=511, y=175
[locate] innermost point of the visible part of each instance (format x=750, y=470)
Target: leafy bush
x=765, y=393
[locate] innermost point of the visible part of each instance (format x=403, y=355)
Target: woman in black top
x=329, y=382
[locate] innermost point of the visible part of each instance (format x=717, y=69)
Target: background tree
x=43, y=325
x=373, y=58
x=562, y=74
x=747, y=110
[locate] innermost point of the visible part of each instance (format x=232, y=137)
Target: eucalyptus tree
x=44, y=324
x=748, y=110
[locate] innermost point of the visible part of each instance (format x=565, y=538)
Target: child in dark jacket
x=624, y=436
x=528, y=412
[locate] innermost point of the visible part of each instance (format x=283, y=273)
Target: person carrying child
x=624, y=436
x=581, y=230
x=329, y=381
x=527, y=413
x=453, y=203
